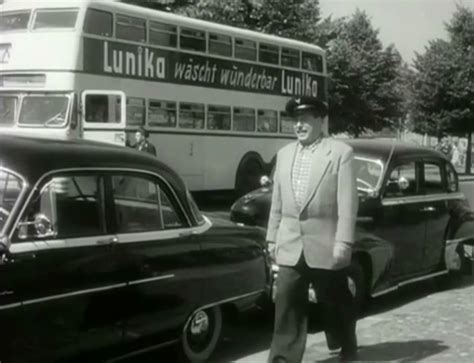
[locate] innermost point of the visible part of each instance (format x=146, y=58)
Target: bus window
x=163, y=34
x=287, y=123
x=268, y=53
x=191, y=116
x=129, y=28
x=8, y=106
x=193, y=40
x=103, y=109
x=267, y=121
x=55, y=18
x=135, y=111
x=98, y=22
x=290, y=57
x=220, y=44
x=17, y=20
x=312, y=62
x=245, y=49
x=162, y=113
x=44, y=110
x=218, y=117
x=244, y=119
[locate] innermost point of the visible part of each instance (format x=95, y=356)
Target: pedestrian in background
x=445, y=146
x=312, y=221
x=142, y=143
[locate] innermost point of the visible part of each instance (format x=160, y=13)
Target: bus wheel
x=201, y=335
x=248, y=176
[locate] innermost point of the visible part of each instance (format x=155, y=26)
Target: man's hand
x=342, y=253
x=271, y=248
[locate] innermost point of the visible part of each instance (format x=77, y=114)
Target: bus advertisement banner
x=155, y=64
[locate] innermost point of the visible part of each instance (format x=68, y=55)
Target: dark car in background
x=413, y=222
x=103, y=252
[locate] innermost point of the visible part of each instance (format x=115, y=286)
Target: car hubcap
x=199, y=323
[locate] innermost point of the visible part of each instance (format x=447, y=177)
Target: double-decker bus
x=211, y=96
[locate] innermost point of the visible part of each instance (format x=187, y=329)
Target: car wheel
x=357, y=284
x=201, y=334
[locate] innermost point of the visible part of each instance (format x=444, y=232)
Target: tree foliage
x=443, y=88
x=363, y=92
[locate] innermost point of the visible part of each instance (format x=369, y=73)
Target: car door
x=63, y=272
x=402, y=224
x=435, y=211
x=162, y=257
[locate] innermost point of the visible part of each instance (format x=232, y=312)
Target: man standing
x=142, y=143
x=312, y=221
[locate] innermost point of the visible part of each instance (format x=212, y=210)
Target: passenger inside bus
x=96, y=108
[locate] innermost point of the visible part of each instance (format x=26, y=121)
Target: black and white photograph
x=248, y=181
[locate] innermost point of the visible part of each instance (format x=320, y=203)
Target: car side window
x=72, y=204
x=402, y=181
x=452, y=178
x=433, y=179
x=142, y=205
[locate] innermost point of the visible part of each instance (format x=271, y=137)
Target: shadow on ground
x=413, y=351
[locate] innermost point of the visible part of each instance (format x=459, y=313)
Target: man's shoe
x=348, y=356
x=332, y=341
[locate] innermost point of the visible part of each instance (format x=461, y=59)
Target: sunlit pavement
x=418, y=323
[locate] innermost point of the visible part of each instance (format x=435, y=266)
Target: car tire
x=356, y=279
x=201, y=335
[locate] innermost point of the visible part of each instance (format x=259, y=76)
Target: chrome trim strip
x=422, y=198
x=70, y=294
x=403, y=283
x=220, y=303
x=163, y=277
x=16, y=206
x=96, y=169
x=10, y=306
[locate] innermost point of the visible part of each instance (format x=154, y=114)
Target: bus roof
x=151, y=14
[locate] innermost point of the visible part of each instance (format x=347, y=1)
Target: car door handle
x=428, y=209
x=107, y=241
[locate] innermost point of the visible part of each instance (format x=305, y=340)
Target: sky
x=408, y=24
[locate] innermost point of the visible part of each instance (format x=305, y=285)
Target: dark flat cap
x=302, y=104
x=143, y=131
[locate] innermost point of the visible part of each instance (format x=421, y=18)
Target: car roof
x=385, y=148
x=33, y=157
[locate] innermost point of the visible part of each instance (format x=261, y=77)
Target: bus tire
x=248, y=175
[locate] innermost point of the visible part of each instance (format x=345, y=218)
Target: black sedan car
x=103, y=252
x=413, y=222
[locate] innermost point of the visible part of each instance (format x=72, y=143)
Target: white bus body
x=211, y=96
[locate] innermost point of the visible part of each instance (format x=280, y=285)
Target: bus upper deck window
x=135, y=111
x=98, y=22
x=244, y=119
x=312, y=62
x=161, y=113
x=55, y=18
x=245, y=49
x=191, y=116
x=220, y=44
x=14, y=20
x=267, y=121
x=218, y=117
x=163, y=34
x=268, y=53
x=290, y=57
x=287, y=123
x=193, y=40
x=130, y=28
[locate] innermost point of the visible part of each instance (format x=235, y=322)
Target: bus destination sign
x=148, y=63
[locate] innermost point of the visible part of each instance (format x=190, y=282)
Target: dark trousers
x=291, y=302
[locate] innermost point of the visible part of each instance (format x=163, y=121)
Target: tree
x=363, y=76
x=443, y=88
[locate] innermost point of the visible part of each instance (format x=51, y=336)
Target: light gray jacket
x=328, y=215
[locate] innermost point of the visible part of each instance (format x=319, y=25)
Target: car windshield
x=10, y=188
x=44, y=110
x=368, y=173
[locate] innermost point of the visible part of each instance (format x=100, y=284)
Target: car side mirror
x=403, y=183
x=42, y=227
x=265, y=181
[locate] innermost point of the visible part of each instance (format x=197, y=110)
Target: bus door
x=103, y=116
